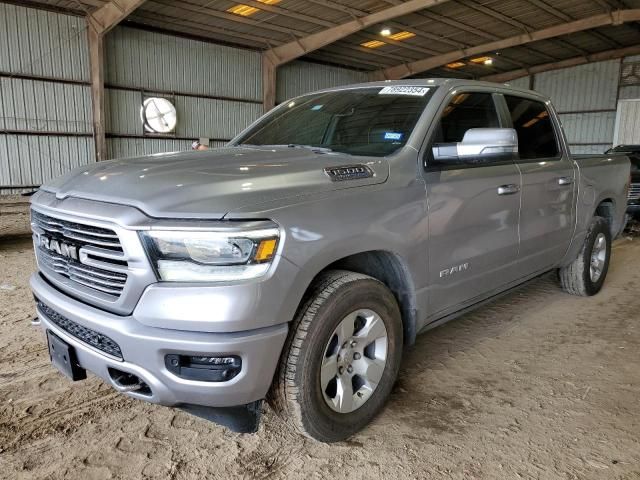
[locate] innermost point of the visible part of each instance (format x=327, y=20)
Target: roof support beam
x=98, y=24
x=571, y=62
x=302, y=46
x=111, y=14
x=412, y=68
x=282, y=54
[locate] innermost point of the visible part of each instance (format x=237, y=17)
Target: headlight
x=213, y=256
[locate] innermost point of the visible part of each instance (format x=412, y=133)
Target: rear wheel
x=341, y=359
x=586, y=274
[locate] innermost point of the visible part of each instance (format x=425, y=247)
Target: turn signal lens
x=266, y=249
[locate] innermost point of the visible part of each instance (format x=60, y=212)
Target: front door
x=548, y=184
x=472, y=212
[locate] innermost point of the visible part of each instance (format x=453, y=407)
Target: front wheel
x=586, y=274
x=341, y=359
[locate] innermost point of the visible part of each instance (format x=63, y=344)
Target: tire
x=297, y=394
x=576, y=278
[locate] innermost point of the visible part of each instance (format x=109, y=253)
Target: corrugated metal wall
x=523, y=82
x=630, y=91
x=627, y=129
x=45, y=107
x=45, y=104
x=216, y=89
x=586, y=98
x=298, y=77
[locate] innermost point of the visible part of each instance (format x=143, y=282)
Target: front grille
x=77, y=232
x=103, y=268
x=634, y=191
x=84, y=334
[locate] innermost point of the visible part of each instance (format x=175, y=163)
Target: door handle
x=508, y=189
x=565, y=181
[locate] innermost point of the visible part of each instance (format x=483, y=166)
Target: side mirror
x=479, y=145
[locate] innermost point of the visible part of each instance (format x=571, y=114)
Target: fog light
x=204, y=368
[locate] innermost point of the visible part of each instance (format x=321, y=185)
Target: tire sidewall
x=598, y=226
x=317, y=417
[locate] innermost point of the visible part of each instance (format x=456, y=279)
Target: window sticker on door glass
x=392, y=136
x=404, y=90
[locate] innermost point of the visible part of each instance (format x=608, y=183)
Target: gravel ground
x=537, y=385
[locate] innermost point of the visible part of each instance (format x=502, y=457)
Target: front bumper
x=144, y=349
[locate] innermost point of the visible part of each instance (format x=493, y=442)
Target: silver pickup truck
x=299, y=261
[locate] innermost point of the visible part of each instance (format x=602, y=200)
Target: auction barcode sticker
x=404, y=90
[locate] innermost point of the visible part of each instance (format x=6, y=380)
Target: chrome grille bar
x=634, y=191
x=99, y=264
x=103, y=280
x=101, y=237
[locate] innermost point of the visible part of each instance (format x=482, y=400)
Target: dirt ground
x=538, y=385
x=14, y=215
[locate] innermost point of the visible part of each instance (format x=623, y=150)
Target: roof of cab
x=435, y=82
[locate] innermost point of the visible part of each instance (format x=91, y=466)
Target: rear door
x=548, y=183
x=473, y=223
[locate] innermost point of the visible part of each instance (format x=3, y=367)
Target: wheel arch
x=606, y=208
x=391, y=270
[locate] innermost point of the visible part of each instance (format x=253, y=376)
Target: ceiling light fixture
x=455, y=65
x=484, y=60
x=385, y=32
x=373, y=44
x=402, y=36
x=243, y=10
x=246, y=10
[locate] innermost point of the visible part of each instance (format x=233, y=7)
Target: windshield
x=374, y=121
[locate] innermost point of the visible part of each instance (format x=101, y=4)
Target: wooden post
x=96, y=61
x=268, y=83
x=98, y=24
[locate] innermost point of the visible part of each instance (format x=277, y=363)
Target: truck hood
x=209, y=184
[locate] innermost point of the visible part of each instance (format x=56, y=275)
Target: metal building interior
x=270, y=50
x=521, y=396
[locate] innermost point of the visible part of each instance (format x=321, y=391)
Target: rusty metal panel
x=300, y=77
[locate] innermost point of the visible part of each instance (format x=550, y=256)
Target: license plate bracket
x=63, y=357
